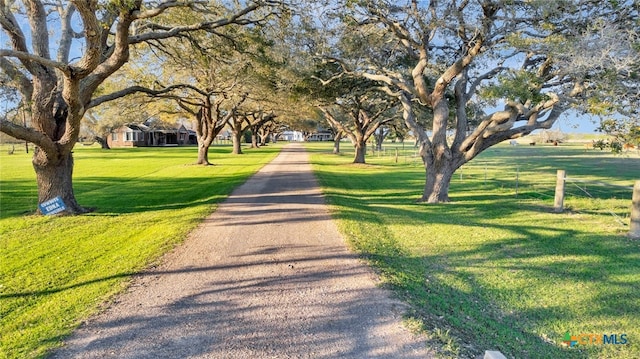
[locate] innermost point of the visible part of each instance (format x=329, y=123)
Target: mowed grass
x=492, y=271
x=56, y=271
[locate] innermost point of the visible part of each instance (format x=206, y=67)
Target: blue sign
x=52, y=206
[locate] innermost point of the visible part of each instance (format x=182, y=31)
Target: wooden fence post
x=634, y=229
x=517, y=179
x=558, y=205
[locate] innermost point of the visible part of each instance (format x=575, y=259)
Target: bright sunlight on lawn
x=490, y=271
x=56, y=271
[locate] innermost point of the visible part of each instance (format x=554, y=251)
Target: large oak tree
x=93, y=39
x=442, y=59
x=358, y=115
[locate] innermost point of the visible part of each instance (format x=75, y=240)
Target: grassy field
x=495, y=269
x=55, y=271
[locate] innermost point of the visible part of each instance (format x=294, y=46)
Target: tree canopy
x=446, y=60
x=92, y=40
x=464, y=75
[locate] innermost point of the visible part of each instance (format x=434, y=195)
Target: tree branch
x=28, y=134
x=18, y=39
x=93, y=38
x=24, y=84
x=141, y=89
x=66, y=32
x=39, y=32
x=488, y=75
x=332, y=120
x=26, y=57
x=209, y=25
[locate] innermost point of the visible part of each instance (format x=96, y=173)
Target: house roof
x=156, y=127
x=138, y=127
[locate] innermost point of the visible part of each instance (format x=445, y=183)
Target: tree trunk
x=203, y=154
x=264, y=137
x=103, y=142
x=436, y=188
x=254, y=139
x=237, y=143
x=440, y=167
x=380, y=136
x=336, y=142
x=55, y=180
x=361, y=151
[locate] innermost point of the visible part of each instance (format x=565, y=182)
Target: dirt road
x=265, y=276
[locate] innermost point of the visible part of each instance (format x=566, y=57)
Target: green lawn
x=493, y=270
x=55, y=271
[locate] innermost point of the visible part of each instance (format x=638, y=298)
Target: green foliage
x=615, y=146
x=600, y=144
x=599, y=106
x=116, y=6
x=521, y=86
x=517, y=39
x=490, y=270
x=621, y=130
x=56, y=271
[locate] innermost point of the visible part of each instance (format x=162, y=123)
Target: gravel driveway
x=265, y=276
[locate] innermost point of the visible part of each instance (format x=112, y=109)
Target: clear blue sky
x=574, y=123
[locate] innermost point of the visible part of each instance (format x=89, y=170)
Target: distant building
x=155, y=135
x=224, y=135
x=321, y=135
x=294, y=136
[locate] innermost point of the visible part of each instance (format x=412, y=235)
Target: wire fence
x=529, y=181
x=526, y=180
x=600, y=193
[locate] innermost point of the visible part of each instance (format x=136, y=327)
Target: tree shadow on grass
x=152, y=272
x=121, y=195
x=127, y=194
x=492, y=293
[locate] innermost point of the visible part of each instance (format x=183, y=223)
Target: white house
x=294, y=136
